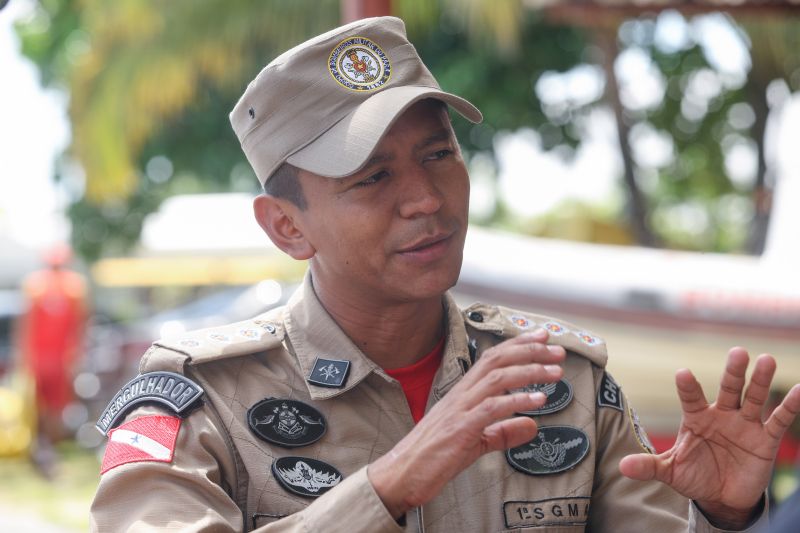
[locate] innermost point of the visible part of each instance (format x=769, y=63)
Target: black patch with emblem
x=329, y=372
x=177, y=393
x=305, y=476
x=559, y=394
x=554, y=449
x=287, y=423
x=609, y=395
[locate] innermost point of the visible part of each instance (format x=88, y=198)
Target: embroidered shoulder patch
x=173, y=391
x=609, y=395
x=147, y=438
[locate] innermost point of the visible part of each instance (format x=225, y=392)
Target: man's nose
x=421, y=195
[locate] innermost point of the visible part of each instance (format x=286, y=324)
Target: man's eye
x=373, y=179
x=441, y=154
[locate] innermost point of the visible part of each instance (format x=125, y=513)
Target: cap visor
x=347, y=145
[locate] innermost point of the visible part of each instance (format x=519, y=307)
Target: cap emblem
x=359, y=64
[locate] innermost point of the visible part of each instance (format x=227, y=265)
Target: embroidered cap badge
x=359, y=64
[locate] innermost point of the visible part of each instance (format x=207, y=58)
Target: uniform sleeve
x=191, y=493
x=624, y=505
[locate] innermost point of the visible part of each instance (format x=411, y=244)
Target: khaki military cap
x=324, y=105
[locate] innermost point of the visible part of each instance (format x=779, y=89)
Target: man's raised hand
x=724, y=453
x=471, y=420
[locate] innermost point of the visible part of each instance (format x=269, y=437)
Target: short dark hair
x=284, y=183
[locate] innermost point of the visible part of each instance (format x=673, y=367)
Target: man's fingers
x=641, y=466
x=495, y=408
x=732, y=383
x=690, y=392
x=509, y=433
x=783, y=416
x=501, y=380
x=758, y=389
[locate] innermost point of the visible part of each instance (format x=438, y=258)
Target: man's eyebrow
x=377, y=158
x=439, y=136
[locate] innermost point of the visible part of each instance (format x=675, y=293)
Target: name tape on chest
x=550, y=512
x=176, y=392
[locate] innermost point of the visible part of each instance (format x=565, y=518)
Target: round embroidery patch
x=554, y=328
x=639, y=432
x=359, y=64
x=520, y=321
x=588, y=338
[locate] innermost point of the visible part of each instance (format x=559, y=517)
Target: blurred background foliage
x=151, y=84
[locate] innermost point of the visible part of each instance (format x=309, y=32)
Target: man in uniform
x=371, y=402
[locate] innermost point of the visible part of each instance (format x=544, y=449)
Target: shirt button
x=476, y=316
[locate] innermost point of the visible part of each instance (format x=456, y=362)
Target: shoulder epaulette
x=505, y=322
x=258, y=334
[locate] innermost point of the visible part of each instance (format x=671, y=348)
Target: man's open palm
x=724, y=454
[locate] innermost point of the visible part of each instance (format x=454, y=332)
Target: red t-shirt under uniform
x=417, y=379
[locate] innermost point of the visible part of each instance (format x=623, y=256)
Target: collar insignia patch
x=559, y=395
x=173, y=391
x=554, y=328
x=555, y=449
x=609, y=395
x=305, y=476
x=329, y=373
x=287, y=423
x=359, y=64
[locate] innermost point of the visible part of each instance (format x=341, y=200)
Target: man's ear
x=274, y=215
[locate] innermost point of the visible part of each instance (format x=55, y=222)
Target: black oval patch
x=287, y=423
x=305, y=476
x=559, y=394
x=555, y=449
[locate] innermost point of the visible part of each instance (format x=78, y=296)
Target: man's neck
x=391, y=335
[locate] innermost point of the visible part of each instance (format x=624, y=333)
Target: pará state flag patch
x=147, y=438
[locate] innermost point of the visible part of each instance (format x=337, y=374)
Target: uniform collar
x=312, y=333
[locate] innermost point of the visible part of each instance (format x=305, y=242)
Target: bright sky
x=34, y=128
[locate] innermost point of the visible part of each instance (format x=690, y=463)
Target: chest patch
x=555, y=449
x=559, y=394
x=305, y=476
x=287, y=423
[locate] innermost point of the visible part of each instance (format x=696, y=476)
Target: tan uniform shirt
x=220, y=477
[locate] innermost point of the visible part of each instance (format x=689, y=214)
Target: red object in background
x=52, y=330
x=787, y=451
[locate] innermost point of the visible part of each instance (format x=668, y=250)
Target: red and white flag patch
x=147, y=438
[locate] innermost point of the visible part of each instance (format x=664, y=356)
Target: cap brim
x=345, y=147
